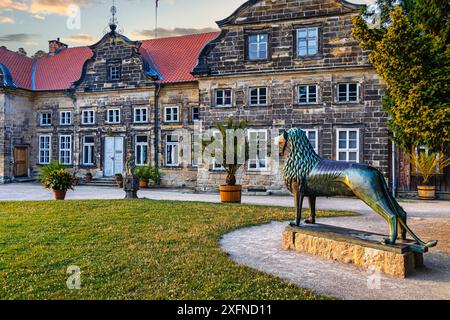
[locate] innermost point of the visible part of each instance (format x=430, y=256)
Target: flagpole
x=156, y=19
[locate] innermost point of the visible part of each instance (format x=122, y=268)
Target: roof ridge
x=183, y=35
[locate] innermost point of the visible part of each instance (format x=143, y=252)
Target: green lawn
x=139, y=249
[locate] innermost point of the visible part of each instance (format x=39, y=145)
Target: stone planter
x=426, y=192
x=230, y=194
x=143, y=183
x=59, y=194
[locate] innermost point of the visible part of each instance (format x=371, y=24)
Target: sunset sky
x=31, y=23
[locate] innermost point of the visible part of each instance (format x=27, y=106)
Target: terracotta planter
x=88, y=179
x=119, y=183
x=426, y=192
x=59, y=194
x=230, y=194
x=143, y=183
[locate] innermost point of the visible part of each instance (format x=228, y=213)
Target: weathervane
x=113, y=23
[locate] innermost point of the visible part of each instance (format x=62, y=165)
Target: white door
x=113, y=156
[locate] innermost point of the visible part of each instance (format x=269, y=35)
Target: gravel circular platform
x=260, y=248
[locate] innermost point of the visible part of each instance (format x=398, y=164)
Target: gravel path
x=260, y=248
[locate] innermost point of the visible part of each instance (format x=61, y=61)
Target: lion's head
x=301, y=157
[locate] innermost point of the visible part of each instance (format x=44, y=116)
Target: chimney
x=55, y=45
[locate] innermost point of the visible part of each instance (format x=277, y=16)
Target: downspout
x=394, y=164
x=156, y=122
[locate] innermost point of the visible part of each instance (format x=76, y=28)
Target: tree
x=410, y=51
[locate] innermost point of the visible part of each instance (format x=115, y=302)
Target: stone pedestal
x=363, y=249
x=131, y=187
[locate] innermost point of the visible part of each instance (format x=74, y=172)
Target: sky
x=31, y=23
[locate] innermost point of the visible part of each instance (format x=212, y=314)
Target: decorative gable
x=116, y=64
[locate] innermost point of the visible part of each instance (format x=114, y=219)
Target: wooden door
x=20, y=161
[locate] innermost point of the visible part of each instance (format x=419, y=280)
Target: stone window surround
x=166, y=108
x=258, y=169
x=49, y=149
x=310, y=24
x=135, y=109
x=142, y=161
x=118, y=116
x=255, y=31
x=47, y=123
x=360, y=88
x=117, y=65
x=359, y=143
x=193, y=113
x=166, y=149
x=91, y=145
x=214, y=95
x=250, y=96
x=65, y=149
x=83, y=122
x=67, y=118
x=297, y=94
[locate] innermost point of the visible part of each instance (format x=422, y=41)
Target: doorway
x=114, y=148
x=20, y=162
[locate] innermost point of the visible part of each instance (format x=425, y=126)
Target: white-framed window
x=65, y=149
x=113, y=116
x=140, y=115
x=348, y=92
x=313, y=137
x=258, y=45
x=258, y=96
x=114, y=73
x=171, y=114
x=258, y=150
x=88, y=117
x=65, y=118
x=348, y=145
x=195, y=113
x=45, y=144
x=88, y=150
x=141, y=151
x=195, y=149
x=172, y=150
x=223, y=97
x=307, y=41
x=307, y=94
x=45, y=119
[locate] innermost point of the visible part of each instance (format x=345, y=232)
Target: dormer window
x=258, y=45
x=114, y=72
x=307, y=42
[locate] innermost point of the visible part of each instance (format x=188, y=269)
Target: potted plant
x=428, y=165
x=155, y=175
x=119, y=180
x=144, y=175
x=56, y=178
x=230, y=192
x=88, y=177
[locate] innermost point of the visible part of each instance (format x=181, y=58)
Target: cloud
x=6, y=20
x=60, y=7
x=17, y=37
x=13, y=5
x=38, y=17
x=80, y=39
x=162, y=32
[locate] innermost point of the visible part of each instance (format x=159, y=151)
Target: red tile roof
x=174, y=58
x=19, y=66
x=58, y=72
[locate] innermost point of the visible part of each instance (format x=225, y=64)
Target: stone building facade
x=277, y=64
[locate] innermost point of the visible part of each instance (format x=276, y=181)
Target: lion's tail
x=401, y=214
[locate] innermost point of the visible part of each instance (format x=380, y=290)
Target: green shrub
x=48, y=169
x=148, y=173
x=59, y=179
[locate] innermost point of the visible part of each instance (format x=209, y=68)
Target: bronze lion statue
x=308, y=175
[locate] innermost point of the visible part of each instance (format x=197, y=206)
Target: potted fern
x=230, y=192
x=56, y=178
x=428, y=165
x=144, y=173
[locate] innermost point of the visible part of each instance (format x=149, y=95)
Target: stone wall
x=16, y=129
